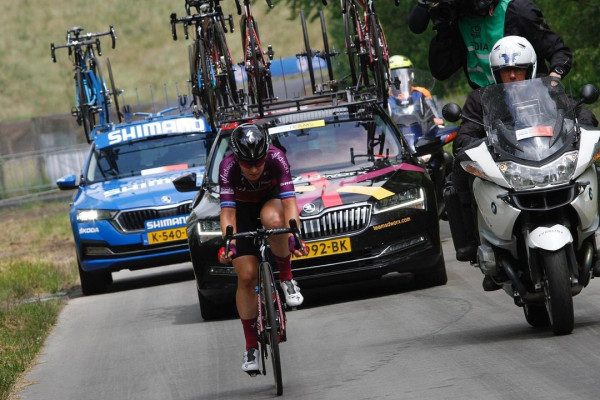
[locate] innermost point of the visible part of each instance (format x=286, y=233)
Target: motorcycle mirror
x=452, y=112
x=427, y=145
x=589, y=94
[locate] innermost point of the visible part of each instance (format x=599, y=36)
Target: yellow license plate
x=167, y=235
x=328, y=248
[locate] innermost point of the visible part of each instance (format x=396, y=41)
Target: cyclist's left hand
x=292, y=246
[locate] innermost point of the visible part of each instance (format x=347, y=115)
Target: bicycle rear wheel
x=208, y=98
x=380, y=66
x=356, y=56
x=226, y=89
x=273, y=326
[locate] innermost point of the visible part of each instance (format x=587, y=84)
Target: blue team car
x=126, y=213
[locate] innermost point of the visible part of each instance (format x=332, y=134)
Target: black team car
x=367, y=205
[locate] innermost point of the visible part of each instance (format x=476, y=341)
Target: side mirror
x=186, y=183
x=452, y=112
x=427, y=145
x=68, y=182
x=589, y=94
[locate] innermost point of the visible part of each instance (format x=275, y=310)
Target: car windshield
x=146, y=157
x=328, y=146
x=529, y=120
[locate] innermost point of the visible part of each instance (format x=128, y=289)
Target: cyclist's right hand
x=227, y=258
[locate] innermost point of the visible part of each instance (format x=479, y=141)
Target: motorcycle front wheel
x=557, y=292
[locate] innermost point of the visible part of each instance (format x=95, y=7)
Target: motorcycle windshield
x=529, y=120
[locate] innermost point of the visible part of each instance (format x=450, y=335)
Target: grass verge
x=36, y=259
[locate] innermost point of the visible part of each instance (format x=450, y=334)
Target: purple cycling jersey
x=235, y=187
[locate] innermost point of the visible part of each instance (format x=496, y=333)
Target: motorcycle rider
x=467, y=30
x=403, y=93
x=255, y=182
x=522, y=64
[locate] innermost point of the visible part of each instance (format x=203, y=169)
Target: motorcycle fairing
x=497, y=215
x=589, y=139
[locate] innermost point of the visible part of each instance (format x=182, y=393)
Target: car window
x=147, y=157
x=328, y=146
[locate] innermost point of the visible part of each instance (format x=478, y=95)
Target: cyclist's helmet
x=402, y=75
x=249, y=143
x=515, y=52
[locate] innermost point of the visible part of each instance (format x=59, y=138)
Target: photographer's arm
x=524, y=18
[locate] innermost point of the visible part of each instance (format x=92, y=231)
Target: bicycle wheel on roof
x=380, y=63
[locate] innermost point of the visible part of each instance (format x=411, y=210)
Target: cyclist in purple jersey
x=256, y=189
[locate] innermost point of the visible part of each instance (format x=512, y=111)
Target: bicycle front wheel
x=272, y=324
x=85, y=115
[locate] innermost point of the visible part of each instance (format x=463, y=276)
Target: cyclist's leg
x=272, y=216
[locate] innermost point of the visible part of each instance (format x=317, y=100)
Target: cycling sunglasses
x=249, y=165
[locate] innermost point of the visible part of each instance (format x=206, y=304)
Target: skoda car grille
x=129, y=221
x=336, y=222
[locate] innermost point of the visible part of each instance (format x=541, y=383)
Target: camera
x=445, y=13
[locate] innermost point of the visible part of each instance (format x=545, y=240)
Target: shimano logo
x=181, y=125
x=166, y=222
x=83, y=231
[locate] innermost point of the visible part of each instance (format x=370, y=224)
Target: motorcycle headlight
x=523, y=177
x=94, y=215
x=208, y=229
x=408, y=198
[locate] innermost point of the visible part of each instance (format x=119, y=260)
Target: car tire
x=93, y=282
x=434, y=277
x=210, y=310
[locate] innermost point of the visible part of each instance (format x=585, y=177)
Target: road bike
x=271, y=322
x=366, y=46
x=257, y=66
x=91, y=94
x=211, y=65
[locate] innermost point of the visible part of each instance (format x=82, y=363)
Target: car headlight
x=94, y=215
x=208, y=229
x=522, y=176
x=408, y=198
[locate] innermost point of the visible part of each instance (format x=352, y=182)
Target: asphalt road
x=374, y=340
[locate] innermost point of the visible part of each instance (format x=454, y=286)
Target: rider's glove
x=232, y=249
x=292, y=245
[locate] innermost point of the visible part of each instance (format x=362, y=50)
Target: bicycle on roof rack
x=91, y=94
x=366, y=46
x=326, y=54
x=258, y=72
x=271, y=321
x=211, y=65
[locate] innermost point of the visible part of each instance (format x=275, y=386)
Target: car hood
x=316, y=192
x=137, y=191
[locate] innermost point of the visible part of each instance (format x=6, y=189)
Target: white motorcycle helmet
x=513, y=51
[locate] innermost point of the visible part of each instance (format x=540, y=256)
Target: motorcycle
x=414, y=119
x=535, y=192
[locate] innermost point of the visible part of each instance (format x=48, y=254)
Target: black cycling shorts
x=247, y=218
